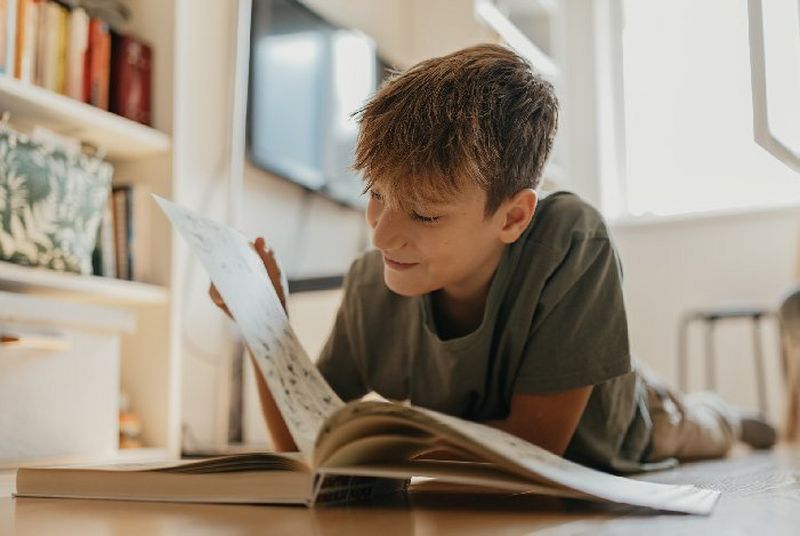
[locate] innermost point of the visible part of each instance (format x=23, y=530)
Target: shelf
x=104, y=290
x=121, y=138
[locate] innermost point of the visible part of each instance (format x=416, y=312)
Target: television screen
x=306, y=78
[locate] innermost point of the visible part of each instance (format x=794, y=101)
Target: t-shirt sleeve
x=337, y=361
x=579, y=333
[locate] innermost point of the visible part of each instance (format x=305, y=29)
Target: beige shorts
x=688, y=427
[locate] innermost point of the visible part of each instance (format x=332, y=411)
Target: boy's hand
x=274, y=271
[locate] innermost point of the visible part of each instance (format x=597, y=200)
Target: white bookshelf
x=140, y=154
x=105, y=290
x=121, y=138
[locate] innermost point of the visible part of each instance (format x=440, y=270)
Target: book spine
x=20, y=37
x=98, y=64
x=40, y=36
x=50, y=53
x=9, y=30
x=109, y=261
x=122, y=231
x=11, y=37
x=104, y=255
x=24, y=40
x=131, y=61
x=3, y=35
x=76, y=52
x=61, y=20
x=129, y=229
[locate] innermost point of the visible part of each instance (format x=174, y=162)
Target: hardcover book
x=131, y=61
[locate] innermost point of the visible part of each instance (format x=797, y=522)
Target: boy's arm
x=547, y=420
x=281, y=438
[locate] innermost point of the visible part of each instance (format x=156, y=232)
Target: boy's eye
x=375, y=195
x=424, y=219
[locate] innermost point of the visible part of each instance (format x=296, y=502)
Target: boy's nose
x=387, y=231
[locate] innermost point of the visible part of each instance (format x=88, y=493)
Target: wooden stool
x=710, y=317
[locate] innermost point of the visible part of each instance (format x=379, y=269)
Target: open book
x=347, y=451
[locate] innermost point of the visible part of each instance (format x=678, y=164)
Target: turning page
x=523, y=461
x=303, y=396
x=538, y=461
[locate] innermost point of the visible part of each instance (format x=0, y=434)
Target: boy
x=483, y=301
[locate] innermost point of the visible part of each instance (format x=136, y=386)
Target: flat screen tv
x=307, y=76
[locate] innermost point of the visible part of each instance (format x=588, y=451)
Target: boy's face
x=451, y=246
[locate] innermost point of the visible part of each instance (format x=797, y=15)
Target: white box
x=59, y=379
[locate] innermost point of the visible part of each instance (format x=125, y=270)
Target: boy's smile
x=396, y=265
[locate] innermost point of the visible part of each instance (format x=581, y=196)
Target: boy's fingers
x=273, y=270
x=260, y=246
x=268, y=258
x=217, y=299
x=271, y=264
x=214, y=294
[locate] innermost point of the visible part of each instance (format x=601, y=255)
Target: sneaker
x=756, y=431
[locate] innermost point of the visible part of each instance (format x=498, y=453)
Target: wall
x=203, y=101
x=674, y=265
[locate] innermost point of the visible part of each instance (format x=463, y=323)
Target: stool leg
x=711, y=376
x=683, y=374
x=758, y=353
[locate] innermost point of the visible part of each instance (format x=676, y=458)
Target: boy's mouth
x=396, y=265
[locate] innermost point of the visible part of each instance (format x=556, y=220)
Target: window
x=688, y=110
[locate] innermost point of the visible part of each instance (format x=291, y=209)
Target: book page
x=518, y=456
x=539, y=461
x=302, y=395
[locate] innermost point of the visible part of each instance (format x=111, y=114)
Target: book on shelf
x=123, y=249
x=347, y=451
x=131, y=61
x=104, y=257
x=97, y=64
x=76, y=52
x=27, y=29
x=54, y=30
x=40, y=34
x=8, y=35
x=123, y=231
x=58, y=46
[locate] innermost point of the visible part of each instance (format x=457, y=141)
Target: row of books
x=62, y=48
x=122, y=247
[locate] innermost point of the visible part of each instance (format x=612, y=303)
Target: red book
x=97, y=65
x=131, y=67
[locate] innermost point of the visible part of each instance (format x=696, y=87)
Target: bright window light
x=688, y=110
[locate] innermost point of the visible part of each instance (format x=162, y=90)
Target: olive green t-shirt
x=554, y=320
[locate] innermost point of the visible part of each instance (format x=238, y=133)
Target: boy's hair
x=479, y=114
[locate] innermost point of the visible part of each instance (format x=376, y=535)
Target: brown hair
x=479, y=114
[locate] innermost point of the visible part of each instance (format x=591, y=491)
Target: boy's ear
x=517, y=213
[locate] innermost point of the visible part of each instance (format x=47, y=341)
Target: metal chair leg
x=683, y=353
x=711, y=374
x=758, y=353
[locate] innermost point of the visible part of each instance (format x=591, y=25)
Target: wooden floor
x=760, y=495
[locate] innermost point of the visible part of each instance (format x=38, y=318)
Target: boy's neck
x=458, y=310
